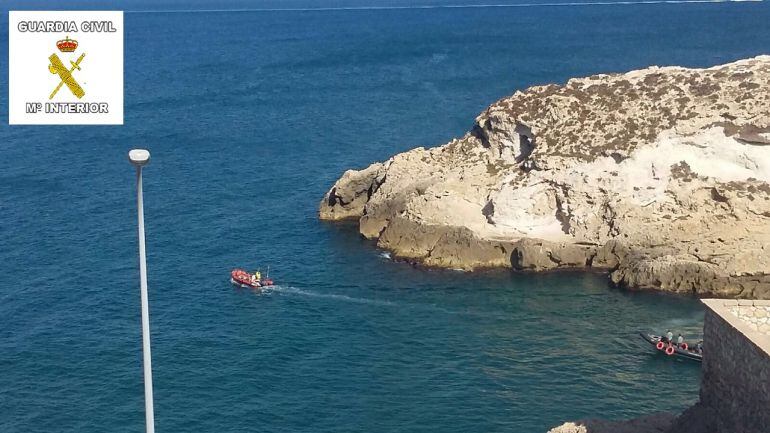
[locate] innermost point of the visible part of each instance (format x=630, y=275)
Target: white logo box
x=32, y=39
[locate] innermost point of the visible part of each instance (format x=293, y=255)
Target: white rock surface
x=661, y=175
x=657, y=423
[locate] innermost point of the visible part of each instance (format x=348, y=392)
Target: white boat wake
x=314, y=294
x=424, y=307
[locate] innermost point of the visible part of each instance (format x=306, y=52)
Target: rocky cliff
x=661, y=176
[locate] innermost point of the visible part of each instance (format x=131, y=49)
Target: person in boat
x=257, y=276
x=699, y=347
x=680, y=341
x=669, y=336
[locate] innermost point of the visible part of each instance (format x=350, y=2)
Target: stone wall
x=757, y=315
x=735, y=392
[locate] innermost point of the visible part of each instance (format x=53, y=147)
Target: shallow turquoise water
x=248, y=129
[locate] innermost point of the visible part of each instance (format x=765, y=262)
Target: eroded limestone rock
x=661, y=176
x=656, y=423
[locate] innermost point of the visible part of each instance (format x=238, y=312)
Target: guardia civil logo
x=57, y=67
x=65, y=67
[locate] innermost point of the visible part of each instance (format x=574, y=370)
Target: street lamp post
x=140, y=158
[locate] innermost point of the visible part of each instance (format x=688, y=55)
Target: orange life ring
x=670, y=350
x=660, y=345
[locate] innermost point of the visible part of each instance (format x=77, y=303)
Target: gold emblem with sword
x=57, y=67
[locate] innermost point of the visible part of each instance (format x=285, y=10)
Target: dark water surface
x=250, y=116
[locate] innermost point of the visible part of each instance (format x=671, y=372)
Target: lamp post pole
x=140, y=158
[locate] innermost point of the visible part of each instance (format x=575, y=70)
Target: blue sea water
x=250, y=116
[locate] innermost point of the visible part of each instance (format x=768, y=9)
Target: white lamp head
x=139, y=157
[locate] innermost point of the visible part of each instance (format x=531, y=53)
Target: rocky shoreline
x=659, y=176
x=656, y=423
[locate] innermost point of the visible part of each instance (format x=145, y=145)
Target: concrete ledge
x=722, y=307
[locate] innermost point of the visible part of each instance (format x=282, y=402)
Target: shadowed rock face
x=659, y=175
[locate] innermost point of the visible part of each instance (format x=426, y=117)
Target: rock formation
x=657, y=423
x=661, y=176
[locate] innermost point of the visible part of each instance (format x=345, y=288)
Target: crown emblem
x=67, y=45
